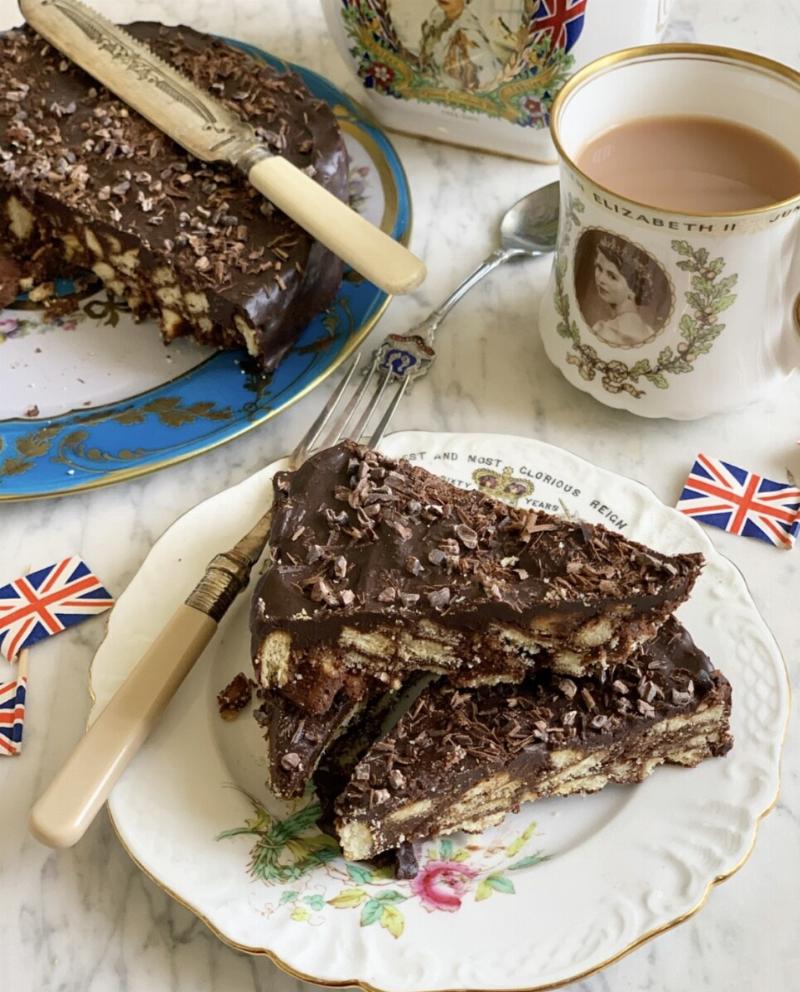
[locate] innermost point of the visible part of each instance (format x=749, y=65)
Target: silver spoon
x=527, y=230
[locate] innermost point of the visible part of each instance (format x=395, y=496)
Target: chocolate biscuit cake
x=86, y=182
x=380, y=569
x=460, y=759
x=296, y=740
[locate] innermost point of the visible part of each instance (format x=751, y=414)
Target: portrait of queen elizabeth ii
x=623, y=293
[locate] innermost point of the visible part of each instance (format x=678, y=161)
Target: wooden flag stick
x=22, y=664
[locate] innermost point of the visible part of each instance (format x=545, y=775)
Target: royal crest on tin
x=477, y=72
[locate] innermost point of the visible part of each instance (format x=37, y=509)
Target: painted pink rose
x=442, y=884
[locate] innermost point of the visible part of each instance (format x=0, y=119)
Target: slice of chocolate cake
x=85, y=181
x=296, y=740
x=461, y=759
x=381, y=568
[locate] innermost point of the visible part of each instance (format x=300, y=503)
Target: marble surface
x=87, y=919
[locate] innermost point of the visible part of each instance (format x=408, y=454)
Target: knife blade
x=209, y=131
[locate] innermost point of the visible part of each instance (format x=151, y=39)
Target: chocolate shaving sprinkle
x=387, y=547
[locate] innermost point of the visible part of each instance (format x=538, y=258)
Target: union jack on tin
x=47, y=601
x=741, y=502
x=560, y=21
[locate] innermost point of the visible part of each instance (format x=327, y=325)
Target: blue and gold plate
x=92, y=398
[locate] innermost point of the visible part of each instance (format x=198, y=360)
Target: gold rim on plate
x=578, y=976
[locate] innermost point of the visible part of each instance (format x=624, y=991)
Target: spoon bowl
x=530, y=227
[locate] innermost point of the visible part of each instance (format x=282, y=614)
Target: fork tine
x=339, y=429
x=380, y=430
x=298, y=456
x=363, y=421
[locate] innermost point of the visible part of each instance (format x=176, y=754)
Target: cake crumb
x=235, y=696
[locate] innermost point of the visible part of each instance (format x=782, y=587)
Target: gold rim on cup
x=652, y=52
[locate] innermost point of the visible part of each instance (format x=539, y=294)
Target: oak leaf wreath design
x=708, y=296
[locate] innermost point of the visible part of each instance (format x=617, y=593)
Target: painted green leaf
x=300, y=914
x=359, y=874
x=446, y=849
x=516, y=845
x=688, y=325
x=682, y=247
x=642, y=367
x=390, y=896
x=701, y=285
x=348, y=899
x=501, y=884
x=289, y=896
x=462, y=854
x=665, y=356
x=316, y=902
x=658, y=380
x=392, y=920
x=371, y=913
x=695, y=301
x=483, y=891
x=529, y=861
x=723, y=303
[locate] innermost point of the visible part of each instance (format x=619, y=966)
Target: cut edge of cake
x=462, y=759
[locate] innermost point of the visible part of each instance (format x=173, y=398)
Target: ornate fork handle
x=410, y=356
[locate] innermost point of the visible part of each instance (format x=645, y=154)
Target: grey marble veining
x=87, y=920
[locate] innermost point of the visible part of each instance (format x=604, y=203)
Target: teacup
x=721, y=321
x=480, y=73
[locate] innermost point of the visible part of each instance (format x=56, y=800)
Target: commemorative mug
x=480, y=73
x=712, y=317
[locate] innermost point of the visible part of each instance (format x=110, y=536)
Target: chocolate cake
x=87, y=182
x=460, y=759
x=381, y=569
x=296, y=740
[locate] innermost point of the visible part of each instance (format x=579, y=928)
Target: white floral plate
x=560, y=889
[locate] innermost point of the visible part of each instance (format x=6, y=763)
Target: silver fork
x=62, y=814
x=401, y=358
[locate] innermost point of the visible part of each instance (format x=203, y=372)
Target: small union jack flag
x=561, y=21
x=12, y=714
x=741, y=502
x=48, y=601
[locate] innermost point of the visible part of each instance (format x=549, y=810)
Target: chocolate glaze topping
x=451, y=737
x=359, y=538
x=75, y=152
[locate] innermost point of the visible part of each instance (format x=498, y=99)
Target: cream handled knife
x=71, y=801
x=206, y=129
